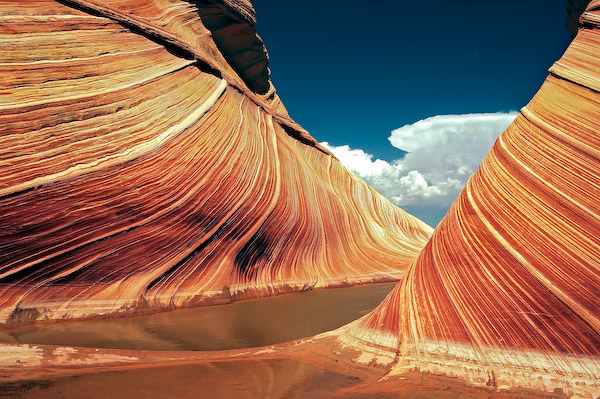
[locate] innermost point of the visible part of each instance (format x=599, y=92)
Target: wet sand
x=248, y=379
x=307, y=370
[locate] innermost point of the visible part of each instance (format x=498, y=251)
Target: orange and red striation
x=507, y=291
x=142, y=169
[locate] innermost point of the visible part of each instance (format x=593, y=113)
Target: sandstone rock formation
x=504, y=296
x=146, y=163
x=507, y=291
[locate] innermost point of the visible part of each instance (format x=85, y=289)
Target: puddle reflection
x=239, y=325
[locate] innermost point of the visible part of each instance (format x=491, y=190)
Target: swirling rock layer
x=220, y=188
x=507, y=291
x=139, y=171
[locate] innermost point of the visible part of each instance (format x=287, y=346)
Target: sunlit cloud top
x=443, y=152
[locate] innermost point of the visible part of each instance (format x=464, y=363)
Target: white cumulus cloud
x=443, y=151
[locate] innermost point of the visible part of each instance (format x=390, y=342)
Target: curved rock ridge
x=138, y=173
x=177, y=25
x=507, y=291
x=505, y=294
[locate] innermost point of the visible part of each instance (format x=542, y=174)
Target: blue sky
x=351, y=72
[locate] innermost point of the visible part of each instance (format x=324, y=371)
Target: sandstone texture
x=146, y=163
x=502, y=302
x=507, y=291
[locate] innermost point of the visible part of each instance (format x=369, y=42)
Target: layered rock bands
x=139, y=173
x=145, y=166
x=507, y=291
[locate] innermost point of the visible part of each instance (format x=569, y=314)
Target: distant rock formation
x=146, y=163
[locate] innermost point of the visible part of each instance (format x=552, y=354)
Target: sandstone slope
x=146, y=163
x=505, y=295
x=507, y=291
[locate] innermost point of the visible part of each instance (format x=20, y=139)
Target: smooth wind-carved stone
x=140, y=172
x=507, y=291
x=503, y=301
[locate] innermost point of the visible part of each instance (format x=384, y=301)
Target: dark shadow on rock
x=233, y=31
x=574, y=10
